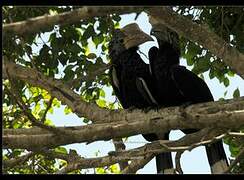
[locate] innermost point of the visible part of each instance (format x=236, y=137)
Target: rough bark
x=222, y=114
x=57, y=89
x=47, y=21
x=119, y=146
x=139, y=156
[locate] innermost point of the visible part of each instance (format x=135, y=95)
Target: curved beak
x=134, y=36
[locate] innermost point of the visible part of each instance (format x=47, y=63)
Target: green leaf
x=75, y=48
x=61, y=150
x=100, y=171
x=69, y=74
x=236, y=93
x=211, y=73
x=67, y=110
x=189, y=59
x=104, y=48
x=102, y=93
x=85, y=120
x=101, y=102
x=91, y=56
x=234, y=150
x=48, y=122
x=97, y=39
x=16, y=124
x=88, y=32
x=56, y=103
x=226, y=82
x=231, y=73
x=114, y=168
x=201, y=65
x=116, y=25
x=225, y=93
x=63, y=58
x=103, y=25
x=116, y=18
x=28, y=49
x=37, y=108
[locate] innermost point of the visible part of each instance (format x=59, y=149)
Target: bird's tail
x=164, y=163
x=217, y=157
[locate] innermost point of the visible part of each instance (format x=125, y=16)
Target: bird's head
x=166, y=36
x=128, y=37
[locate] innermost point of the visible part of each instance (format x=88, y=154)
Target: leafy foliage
x=72, y=52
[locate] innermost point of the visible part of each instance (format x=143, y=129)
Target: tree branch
x=135, y=165
x=177, y=162
x=199, y=33
x=37, y=24
x=120, y=146
x=57, y=89
x=237, y=159
x=16, y=161
x=31, y=117
x=140, y=156
x=49, y=105
x=228, y=114
x=193, y=31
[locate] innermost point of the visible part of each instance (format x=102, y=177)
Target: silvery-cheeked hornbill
x=161, y=83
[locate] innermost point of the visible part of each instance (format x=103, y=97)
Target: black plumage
x=127, y=73
x=175, y=86
x=162, y=83
x=132, y=80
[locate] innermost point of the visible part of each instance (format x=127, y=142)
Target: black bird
x=132, y=81
x=175, y=86
x=162, y=83
x=128, y=71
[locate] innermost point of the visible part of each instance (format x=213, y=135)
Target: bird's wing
x=144, y=82
x=114, y=80
x=143, y=88
x=190, y=85
x=152, y=54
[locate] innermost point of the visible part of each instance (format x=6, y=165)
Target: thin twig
x=49, y=105
x=177, y=162
x=237, y=159
x=14, y=162
x=235, y=134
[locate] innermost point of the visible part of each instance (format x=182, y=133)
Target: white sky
x=193, y=162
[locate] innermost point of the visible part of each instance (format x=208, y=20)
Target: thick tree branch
x=57, y=89
x=40, y=23
x=199, y=33
x=140, y=156
x=228, y=114
x=93, y=112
